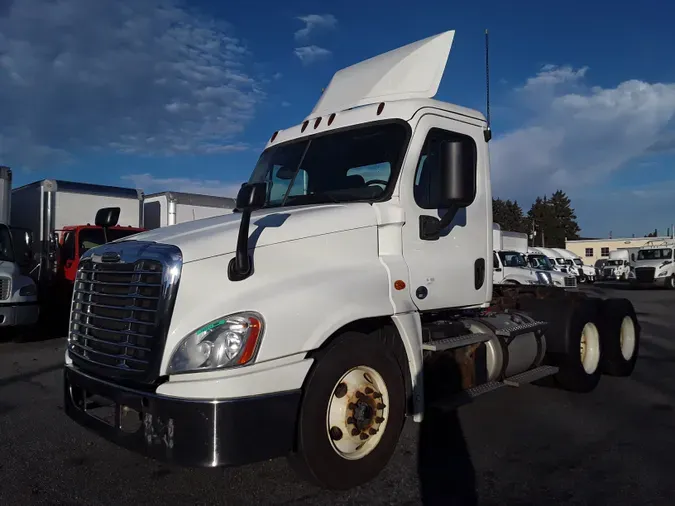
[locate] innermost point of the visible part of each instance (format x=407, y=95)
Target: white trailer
x=18, y=293
x=354, y=293
x=170, y=208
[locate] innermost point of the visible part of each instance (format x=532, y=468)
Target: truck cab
x=654, y=265
x=351, y=288
x=76, y=240
x=538, y=260
x=511, y=267
x=18, y=293
x=618, y=266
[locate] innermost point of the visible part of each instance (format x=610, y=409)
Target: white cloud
x=314, y=23
x=311, y=54
x=578, y=135
x=144, y=77
x=152, y=184
x=285, y=104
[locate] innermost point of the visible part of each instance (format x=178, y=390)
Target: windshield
x=561, y=261
x=540, y=262
x=92, y=237
x=655, y=254
x=353, y=165
x=6, y=251
x=578, y=262
x=615, y=262
x=569, y=262
x=512, y=259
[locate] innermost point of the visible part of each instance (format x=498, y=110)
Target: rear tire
x=620, y=332
x=670, y=283
x=352, y=413
x=580, y=366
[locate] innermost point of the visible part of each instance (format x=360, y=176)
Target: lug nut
x=335, y=433
x=372, y=431
x=360, y=395
x=341, y=390
x=363, y=436
x=379, y=419
x=369, y=390
x=351, y=405
x=351, y=420
x=355, y=432
x=377, y=395
x=380, y=405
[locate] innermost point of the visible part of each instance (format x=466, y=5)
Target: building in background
x=598, y=249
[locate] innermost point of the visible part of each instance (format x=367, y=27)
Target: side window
x=428, y=175
x=68, y=248
x=589, y=252
x=604, y=252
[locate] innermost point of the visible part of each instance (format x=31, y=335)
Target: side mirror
x=251, y=196
x=458, y=173
x=107, y=217
x=457, y=185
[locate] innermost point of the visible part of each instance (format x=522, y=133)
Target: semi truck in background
x=583, y=272
x=335, y=302
x=60, y=215
x=654, y=265
x=18, y=293
x=170, y=208
x=509, y=266
x=617, y=267
x=554, y=257
x=517, y=242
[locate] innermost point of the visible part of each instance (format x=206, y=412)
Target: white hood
x=215, y=236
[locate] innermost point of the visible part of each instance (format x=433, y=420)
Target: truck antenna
x=488, y=131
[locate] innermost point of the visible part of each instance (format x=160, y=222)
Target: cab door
x=455, y=268
x=68, y=255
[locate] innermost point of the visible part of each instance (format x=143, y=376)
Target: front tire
x=352, y=413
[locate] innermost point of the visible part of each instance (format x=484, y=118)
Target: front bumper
x=14, y=315
x=197, y=433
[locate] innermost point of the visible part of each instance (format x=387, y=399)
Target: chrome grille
x=5, y=288
x=570, y=281
x=121, y=310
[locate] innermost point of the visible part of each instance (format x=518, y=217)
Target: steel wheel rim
x=590, y=348
x=357, y=413
x=627, y=338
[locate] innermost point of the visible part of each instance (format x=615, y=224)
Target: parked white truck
x=617, y=267
x=18, y=292
x=170, y=208
x=351, y=288
x=654, y=265
x=554, y=257
x=515, y=251
x=583, y=272
x=509, y=266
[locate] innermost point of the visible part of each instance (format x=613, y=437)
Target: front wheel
x=351, y=415
x=670, y=282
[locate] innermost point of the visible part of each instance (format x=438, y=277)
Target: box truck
x=351, y=288
x=170, y=208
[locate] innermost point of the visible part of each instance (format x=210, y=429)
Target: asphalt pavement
x=526, y=446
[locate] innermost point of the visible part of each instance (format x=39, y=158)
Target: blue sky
x=171, y=95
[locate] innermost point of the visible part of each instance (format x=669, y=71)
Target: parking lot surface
x=526, y=446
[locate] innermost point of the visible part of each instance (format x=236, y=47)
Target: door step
x=529, y=376
x=467, y=396
x=455, y=342
x=517, y=330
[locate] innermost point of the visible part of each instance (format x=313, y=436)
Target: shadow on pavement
x=446, y=473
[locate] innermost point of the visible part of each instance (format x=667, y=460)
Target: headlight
x=28, y=290
x=226, y=342
x=662, y=274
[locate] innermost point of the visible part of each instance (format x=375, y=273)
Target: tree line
x=549, y=221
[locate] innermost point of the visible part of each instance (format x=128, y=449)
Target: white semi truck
x=583, y=272
x=170, y=208
x=654, y=265
x=535, y=268
x=352, y=288
x=554, y=257
x=617, y=267
x=18, y=292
